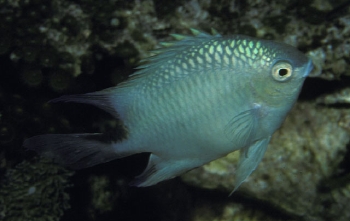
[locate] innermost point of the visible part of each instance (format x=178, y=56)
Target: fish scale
x=198, y=99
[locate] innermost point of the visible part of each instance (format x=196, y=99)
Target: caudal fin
x=75, y=150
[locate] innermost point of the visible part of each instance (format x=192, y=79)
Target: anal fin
x=158, y=170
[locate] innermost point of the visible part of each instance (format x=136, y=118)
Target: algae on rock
x=34, y=191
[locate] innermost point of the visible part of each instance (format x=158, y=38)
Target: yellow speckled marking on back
x=211, y=49
x=219, y=49
x=232, y=45
x=228, y=50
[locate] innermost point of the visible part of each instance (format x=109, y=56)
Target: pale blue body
x=198, y=100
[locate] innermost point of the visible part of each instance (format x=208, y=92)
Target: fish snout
x=308, y=69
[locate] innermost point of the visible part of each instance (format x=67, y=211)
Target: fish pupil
x=282, y=72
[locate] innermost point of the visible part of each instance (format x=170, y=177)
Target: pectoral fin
x=249, y=159
x=242, y=127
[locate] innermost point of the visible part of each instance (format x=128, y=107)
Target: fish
x=197, y=99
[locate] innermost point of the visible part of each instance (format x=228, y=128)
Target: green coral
x=103, y=198
x=34, y=191
x=32, y=77
x=226, y=210
x=59, y=81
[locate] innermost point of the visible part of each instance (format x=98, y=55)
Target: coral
x=339, y=97
x=103, y=197
x=32, y=78
x=34, y=191
x=60, y=37
x=228, y=212
x=339, y=210
x=59, y=81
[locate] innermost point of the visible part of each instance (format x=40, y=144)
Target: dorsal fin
x=195, y=32
x=214, y=31
x=178, y=36
x=170, y=49
x=165, y=53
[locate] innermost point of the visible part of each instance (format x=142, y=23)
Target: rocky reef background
x=50, y=48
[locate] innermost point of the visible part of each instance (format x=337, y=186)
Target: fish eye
x=282, y=71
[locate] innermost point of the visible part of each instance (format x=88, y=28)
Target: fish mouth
x=308, y=68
